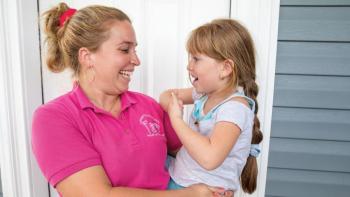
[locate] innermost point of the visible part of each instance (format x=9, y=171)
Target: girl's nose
x=189, y=66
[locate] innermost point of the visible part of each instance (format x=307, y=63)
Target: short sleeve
x=173, y=142
x=235, y=112
x=59, y=146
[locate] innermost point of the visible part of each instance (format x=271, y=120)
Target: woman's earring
x=221, y=77
x=90, y=73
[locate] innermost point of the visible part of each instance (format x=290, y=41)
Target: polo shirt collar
x=126, y=99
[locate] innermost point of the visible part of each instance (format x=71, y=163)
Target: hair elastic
x=66, y=15
x=254, y=150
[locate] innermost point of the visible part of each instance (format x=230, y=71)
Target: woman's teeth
x=126, y=74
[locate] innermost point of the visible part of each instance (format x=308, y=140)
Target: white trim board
x=20, y=90
x=261, y=19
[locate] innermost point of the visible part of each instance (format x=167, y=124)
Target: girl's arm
x=184, y=94
x=208, y=151
x=93, y=181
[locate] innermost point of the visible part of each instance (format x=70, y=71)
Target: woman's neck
x=108, y=102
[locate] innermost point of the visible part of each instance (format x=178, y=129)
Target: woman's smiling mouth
x=126, y=74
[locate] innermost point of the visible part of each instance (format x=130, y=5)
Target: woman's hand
x=226, y=193
x=175, y=108
x=203, y=190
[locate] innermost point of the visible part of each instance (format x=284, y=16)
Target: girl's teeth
x=194, y=79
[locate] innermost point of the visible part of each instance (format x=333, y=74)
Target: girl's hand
x=175, y=108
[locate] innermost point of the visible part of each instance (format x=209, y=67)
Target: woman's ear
x=84, y=57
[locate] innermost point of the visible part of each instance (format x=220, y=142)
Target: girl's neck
x=216, y=97
x=220, y=95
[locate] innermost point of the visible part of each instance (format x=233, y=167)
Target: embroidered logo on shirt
x=152, y=125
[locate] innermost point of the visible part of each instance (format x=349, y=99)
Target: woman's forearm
x=134, y=192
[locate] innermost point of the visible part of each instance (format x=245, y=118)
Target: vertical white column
x=20, y=90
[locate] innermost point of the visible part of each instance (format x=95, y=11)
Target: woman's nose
x=135, y=59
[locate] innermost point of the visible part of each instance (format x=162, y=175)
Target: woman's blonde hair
x=88, y=27
x=227, y=39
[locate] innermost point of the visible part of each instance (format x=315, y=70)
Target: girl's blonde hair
x=227, y=39
x=88, y=27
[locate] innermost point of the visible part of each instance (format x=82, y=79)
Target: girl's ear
x=227, y=68
x=84, y=57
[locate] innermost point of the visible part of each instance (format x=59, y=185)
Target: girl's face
x=115, y=60
x=205, y=73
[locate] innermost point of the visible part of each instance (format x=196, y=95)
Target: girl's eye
x=195, y=58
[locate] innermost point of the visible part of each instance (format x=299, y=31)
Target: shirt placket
x=129, y=129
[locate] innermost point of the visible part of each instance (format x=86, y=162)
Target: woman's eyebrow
x=128, y=43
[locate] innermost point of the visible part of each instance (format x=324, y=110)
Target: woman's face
x=115, y=60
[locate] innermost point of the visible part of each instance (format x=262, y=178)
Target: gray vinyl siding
x=310, y=135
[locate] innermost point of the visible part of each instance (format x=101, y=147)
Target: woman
x=101, y=139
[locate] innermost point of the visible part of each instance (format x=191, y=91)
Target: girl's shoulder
x=241, y=100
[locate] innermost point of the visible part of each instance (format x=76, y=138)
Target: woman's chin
x=123, y=84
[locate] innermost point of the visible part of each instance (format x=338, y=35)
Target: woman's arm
x=93, y=181
x=185, y=95
x=208, y=151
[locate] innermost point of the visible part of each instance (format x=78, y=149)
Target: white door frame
x=20, y=90
x=261, y=19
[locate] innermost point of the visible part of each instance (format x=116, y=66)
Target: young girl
x=220, y=144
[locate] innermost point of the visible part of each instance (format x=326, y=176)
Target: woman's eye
x=125, y=50
x=195, y=58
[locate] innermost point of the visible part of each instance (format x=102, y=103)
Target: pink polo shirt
x=70, y=134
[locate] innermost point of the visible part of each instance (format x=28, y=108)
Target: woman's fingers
x=218, y=190
x=221, y=192
x=229, y=193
